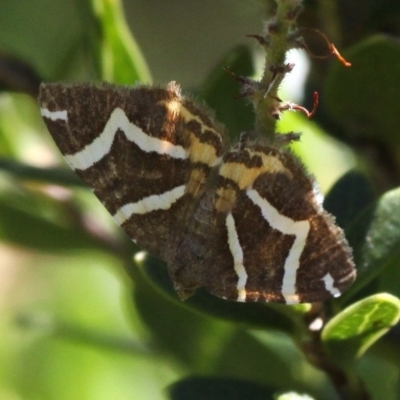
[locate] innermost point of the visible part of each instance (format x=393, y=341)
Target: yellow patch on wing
x=244, y=176
x=202, y=152
x=199, y=151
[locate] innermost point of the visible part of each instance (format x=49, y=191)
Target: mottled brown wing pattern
x=142, y=150
x=269, y=238
x=247, y=223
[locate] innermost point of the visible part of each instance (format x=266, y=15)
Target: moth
x=244, y=221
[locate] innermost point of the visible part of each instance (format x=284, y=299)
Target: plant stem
x=276, y=43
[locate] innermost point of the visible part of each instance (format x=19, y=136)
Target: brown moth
x=245, y=222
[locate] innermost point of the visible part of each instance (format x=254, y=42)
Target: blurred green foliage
x=84, y=314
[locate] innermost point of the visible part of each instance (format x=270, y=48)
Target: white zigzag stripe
x=101, y=146
x=54, y=115
x=329, y=281
x=237, y=254
x=288, y=227
x=154, y=202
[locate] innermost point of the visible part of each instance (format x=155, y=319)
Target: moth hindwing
x=245, y=222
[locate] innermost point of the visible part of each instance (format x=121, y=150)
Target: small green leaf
x=201, y=388
x=221, y=92
x=121, y=59
x=268, y=316
x=350, y=333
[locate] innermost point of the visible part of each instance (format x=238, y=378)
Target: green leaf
x=18, y=114
x=121, y=59
x=380, y=373
x=389, y=279
x=351, y=194
x=352, y=201
x=283, y=355
x=192, y=338
x=362, y=98
x=260, y=315
x=380, y=225
x=206, y=344
x=221, y=92
x=315, y=148
x=200, y=388
x=350, y=333
x=58, y=176
x=35, y=222
x=46, y=324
